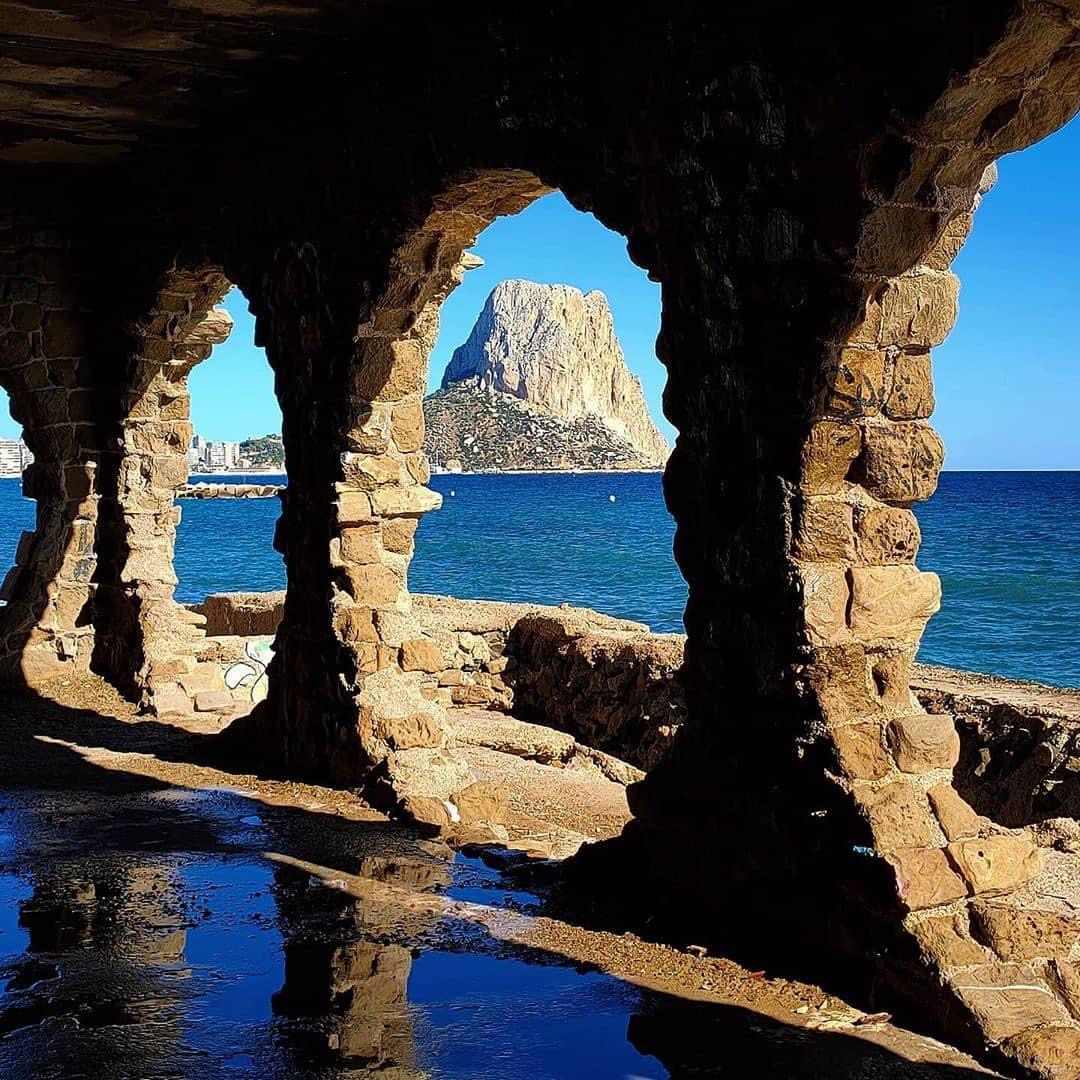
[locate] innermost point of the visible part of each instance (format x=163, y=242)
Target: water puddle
x=156, y=934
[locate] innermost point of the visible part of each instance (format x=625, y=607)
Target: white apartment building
x=14, y=457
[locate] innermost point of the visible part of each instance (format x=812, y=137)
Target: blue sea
x=1006, y=544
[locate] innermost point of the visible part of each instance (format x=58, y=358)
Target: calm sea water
x=1006, y=544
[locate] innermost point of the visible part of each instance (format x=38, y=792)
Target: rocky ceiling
x=92, y=81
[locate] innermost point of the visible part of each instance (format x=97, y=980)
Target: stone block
x=853, y=382
x=1052, y=1052
x=472, y=694
x=825, y=602
x=911, y=395
x=958, y=821
x=924, y=742
x=892, y=603
x=887, y=535
x=826, y=532
x=861, y=752
x=946, y=940
x=831, y=447
x=1065, y=979
x=891, y=673
x=409, y=731
x=410, y=500
x=407, y=426
x=900, y=817
x=389, y=370
x=1006, y=999
x=421, y=654
x=919, y=309
x=368, y=429
x=840, y=678
x=426, y=810
x=902, y=461
x=361, y=543
x=354, y=624
x=373, y=585
x=397, y=535
x=996, y=864
x=925, y=879
x=1016, y=930
x=63, y=334
x=353, y=507
x=214, y=701
x=367, y=472
x=482, y=802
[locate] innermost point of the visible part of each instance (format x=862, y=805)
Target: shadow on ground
x=150, y=929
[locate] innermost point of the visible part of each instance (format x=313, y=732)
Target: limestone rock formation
x=554, y=348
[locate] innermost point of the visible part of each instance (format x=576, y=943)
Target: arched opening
x=158, y=634
x=17, y=512
x=543, y=431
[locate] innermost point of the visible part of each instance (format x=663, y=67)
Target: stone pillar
x=46, y=334
x=146, y=641
x=345, y=701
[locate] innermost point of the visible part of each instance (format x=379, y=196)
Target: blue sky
x=1007, y=379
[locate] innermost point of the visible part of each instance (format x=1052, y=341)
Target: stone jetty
x=228, y=491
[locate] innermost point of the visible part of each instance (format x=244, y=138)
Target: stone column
x=46, y=334
x=146, y=641
x=345, y=688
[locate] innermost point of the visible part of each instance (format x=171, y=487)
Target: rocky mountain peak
x=555, y=348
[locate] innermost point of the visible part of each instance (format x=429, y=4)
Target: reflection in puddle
x=125, y=952
x=151, y=934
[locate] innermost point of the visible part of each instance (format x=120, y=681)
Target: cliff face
x=555, y=348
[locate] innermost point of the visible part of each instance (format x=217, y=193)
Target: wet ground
x=149, y=929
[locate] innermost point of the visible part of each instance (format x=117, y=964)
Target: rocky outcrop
x=473, y=428
x=555, y=348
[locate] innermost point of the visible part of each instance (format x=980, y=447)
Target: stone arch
x=932, y=906
x=144, y=639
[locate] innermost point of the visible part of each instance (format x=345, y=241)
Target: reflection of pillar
x=345, y=978
x=356, y=991
x=100, y=932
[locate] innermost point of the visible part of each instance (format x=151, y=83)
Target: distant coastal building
x=14, y=457
x=213, y=455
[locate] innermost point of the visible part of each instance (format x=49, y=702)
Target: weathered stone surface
x=828, y=454
x=919, y=309
x=902, y=461
x=1065, y=979
x=861, y=752
x=957, y=819
x=996, y=864
x=421, y=654
x=409, y=730
x=853, y=382
x=413, y=499
x=1025, y=930
x=482, y=802
x=925, y=879
x=825, y=603
x=900, y=817
x=923, y=742
x=373, y=585
x=825, y=532
x=214, y=701
x=1053, y=1052
x=353, y=506
x=947, y=941
x=888, y=535
x=556, y=348
x=361, y=543
x=1007, y=998
x=911, y=396
x=892, y=602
